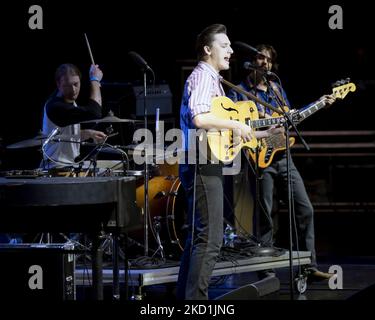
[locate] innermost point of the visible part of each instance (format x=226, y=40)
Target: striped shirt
x=202, y=85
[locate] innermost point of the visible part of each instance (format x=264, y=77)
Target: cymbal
x=37, y=141
x=111, y=119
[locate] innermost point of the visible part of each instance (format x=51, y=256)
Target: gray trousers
x=276, y=176
x=199, y=258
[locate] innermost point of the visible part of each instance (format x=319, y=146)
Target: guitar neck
x=310, y=110
x=266, y=122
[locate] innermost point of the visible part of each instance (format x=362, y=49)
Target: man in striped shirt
x=203, y=182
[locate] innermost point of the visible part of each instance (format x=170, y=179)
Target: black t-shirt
x=63, y=114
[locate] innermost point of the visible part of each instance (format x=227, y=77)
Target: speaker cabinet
x=37, y=272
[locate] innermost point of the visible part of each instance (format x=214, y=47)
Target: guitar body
x=221, y=142
x=268, y=147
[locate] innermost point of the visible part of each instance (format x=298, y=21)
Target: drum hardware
x=157, y=228
x=109, y=130
x=77, y=244
x=160, y=194
x=91, y=166
x=24, y=174
x=135, y=173
x=107, y=245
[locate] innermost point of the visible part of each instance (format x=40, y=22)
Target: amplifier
x=158, y=96
x=37, y=271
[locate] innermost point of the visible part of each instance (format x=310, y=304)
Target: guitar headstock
x=342, y=87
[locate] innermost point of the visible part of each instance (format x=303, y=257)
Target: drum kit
x=165, y=219
x=166, y=198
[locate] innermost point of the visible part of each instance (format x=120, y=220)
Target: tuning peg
x=347, y=80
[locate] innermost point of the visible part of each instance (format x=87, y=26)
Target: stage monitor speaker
x=37, y=272
x=254, y=290
x=158, y=96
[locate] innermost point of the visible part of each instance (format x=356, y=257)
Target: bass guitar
x=269, y=146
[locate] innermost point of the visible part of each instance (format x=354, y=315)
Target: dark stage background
x=311, y=57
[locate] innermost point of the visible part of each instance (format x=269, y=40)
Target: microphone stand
x=145, y=173
x=259, y=249
x=251, y=96
x=144, y=67
x=287, y=151
x=287, y=123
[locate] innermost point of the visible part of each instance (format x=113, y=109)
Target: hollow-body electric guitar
x=221, y=143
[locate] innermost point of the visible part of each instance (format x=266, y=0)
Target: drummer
x=62, y=115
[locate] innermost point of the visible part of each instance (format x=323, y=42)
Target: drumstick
x=88, y=46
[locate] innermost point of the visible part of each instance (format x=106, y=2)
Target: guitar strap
x=261, y=108
x=279, y=95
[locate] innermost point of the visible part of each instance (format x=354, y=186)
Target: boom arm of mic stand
x=250, y=96
x=290, y=121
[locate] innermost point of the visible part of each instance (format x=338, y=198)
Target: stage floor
x=159, y=285
x=153, y=276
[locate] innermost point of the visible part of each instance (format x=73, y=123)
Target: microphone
x=54, y=132
x=247, y=47
x=249, y=66
x=139, y=61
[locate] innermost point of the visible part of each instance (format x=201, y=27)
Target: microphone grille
x=247, y=64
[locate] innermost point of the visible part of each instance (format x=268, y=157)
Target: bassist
x=275, y=175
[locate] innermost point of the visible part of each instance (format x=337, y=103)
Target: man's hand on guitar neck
x=269, y=132
x=328, y=99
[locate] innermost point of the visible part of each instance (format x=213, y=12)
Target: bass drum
x=168, y=214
